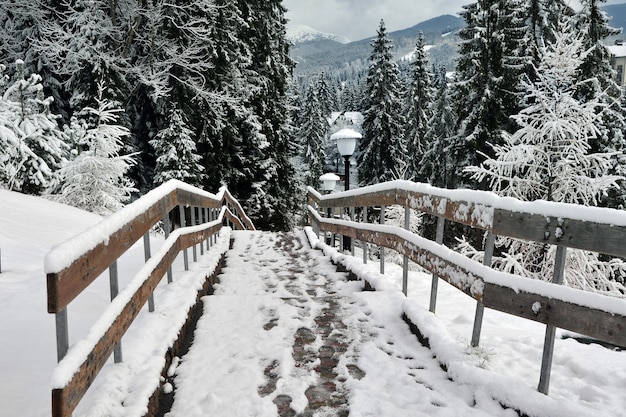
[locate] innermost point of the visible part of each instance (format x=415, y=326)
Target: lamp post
x=346, y=143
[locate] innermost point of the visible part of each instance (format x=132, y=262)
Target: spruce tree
x=382, y=149
x=312, y=137
x=175, y=149
x=33, y=147
x=274, y=200
x=490, y=64
x=419, y=113
x=598, y=85
x=435, y=166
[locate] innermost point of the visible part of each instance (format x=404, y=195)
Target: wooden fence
x=564, y=225
x=73, y=265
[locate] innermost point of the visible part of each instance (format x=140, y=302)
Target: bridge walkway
x=286, y=334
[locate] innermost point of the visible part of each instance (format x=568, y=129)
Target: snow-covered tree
x=382, y=149
x=491, y=61
x=312, y=138
x=274, y=199
x=326, y=96
x=95, y=180
x=175, y=150
x=33, y=146
x=597, y=85
x=420, y=99
x=435, y=164
x=549, y=158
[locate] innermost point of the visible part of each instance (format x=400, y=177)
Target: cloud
x=358, y=19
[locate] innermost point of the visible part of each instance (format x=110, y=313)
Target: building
x=618, y=61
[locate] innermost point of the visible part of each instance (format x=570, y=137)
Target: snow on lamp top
x=329, y=181
x=346, y=140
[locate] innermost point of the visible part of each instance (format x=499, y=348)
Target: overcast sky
x=359, y=19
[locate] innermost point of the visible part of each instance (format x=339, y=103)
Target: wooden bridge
x=300, y=280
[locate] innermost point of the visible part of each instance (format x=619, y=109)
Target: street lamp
x=328, y=180
x=346, y=143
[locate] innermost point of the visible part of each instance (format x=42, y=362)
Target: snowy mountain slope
x=303, y=33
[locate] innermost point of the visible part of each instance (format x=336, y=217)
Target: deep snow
x=586, y=379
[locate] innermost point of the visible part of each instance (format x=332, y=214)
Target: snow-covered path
x=286, y=334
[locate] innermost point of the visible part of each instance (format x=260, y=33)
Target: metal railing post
x=363, y=242
x=381, y=248
x=201, y=220
x=405, y=259
x=193, y=223
x=183, y=223
x=114, y=287
x=62, y=331
x=352, y=240
x=146, y=255
x=548, y=343
x=166, y=230
x=480, y=307
x=435, y=280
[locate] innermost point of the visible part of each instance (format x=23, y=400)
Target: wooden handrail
x=496, y=290
x=563, y=225
x=73, y=265
x=66, y=282
x=603, y=231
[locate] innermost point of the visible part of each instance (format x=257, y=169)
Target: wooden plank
x=191, y=199
x=244, y=220
x=595, y=237
x=468, y=213
x=452, y=273
x=65, y=285
x=65, y=400
x=562, y=314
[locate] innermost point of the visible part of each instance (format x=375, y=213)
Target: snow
x=62, y=255
x=483, y=203
x=617, y=50
x=401, y=377
x=304, y=33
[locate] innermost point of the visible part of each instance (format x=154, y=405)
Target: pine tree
x=96, y=179
x=491, y=61
x=549, y=158
x=34, y=147
x=176, y=153
x=598, y=85
x=435, y=164
x=312, y=137
x=382, y=149
x=325, y=95
x=420, y=99
x=274, y=200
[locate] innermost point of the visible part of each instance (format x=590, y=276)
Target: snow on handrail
x=595, y=229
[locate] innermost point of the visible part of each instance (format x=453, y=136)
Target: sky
x=359, y=19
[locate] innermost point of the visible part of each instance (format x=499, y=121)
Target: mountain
x=319, y=52
x=618, y=17
x=331, y=56
x=298, y=34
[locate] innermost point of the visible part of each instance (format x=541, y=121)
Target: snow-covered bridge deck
x=286, y=334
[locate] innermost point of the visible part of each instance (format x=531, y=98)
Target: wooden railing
x=73, y=265
x=594, y=229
